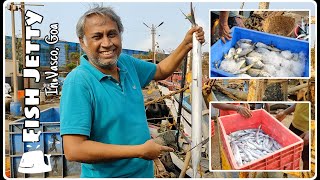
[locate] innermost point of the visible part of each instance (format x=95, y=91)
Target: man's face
x=102, y=41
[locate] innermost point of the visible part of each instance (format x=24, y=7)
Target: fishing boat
x=186, y=129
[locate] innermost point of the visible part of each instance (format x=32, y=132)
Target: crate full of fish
x=259, y=143
x=259, y=55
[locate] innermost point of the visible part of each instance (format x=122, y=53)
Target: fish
x=262, y=45
x=237, y=155
x=255, y=54
x=262, y=50
x=230, y=65
x=196, y=94
x=258, y=72
x=243, y=51
x=242, y=70
x=251, y=144
x=244, y=41
x=231, y=53
x=272, y=62
x=258, y=64
x=243, y=45
x=244, y=75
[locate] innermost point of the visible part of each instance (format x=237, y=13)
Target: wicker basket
x=280, y=25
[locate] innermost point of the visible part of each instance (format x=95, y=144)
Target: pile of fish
x=251, y=144
x=248, y=59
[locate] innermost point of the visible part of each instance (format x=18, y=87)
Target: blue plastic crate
x=218, y=50
x=50, y=143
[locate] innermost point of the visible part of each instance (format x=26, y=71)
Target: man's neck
x=113, y=71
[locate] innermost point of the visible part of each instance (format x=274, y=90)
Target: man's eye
x=96, y=37
x=112, y=35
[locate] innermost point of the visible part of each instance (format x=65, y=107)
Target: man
x=103, y=121
x=225, y=20
x=300, y=126
x=264, y=106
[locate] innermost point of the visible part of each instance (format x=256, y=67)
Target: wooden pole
x=296, y=88
x=186, y=163
x=26, y=81
x=285, y=90
x=15, y=82
x=264, y=5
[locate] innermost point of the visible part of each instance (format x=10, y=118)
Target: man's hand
x=151, y=150
x=305, y=137
x=199, y=35
x=239, y=22
x=224, y=32
x=281, y=115
x=245, y=112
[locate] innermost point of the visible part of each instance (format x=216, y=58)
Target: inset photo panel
x=260, y=136
x=261, y=44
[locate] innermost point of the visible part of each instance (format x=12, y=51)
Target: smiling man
x=103, y=121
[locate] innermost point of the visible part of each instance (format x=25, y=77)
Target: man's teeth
x=106, y=53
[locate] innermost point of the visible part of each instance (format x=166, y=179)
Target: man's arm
x=224, y=30
x=166, y=67
x=267, y=107
x=281, y=115
x=245, y=112
x=79, y=148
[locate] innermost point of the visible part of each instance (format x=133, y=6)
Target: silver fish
x=243, y=52
x=258, y=73
x=262, y=45
x=251, y=144
x=258, y=64
x=245, y=41
x=237, y=155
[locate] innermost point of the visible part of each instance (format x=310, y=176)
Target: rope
x=166, y=96
x=206, y=88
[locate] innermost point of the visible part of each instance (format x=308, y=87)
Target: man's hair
x=103, y=11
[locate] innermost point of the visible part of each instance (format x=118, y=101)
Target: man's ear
x=82, y=44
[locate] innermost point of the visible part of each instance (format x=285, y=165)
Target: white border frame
x=249, y=102
x=309, y=41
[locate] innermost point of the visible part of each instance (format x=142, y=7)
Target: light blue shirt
x=95, y=105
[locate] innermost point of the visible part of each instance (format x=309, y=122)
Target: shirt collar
x=95, y=72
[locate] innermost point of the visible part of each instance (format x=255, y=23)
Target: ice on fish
x=287, y=54
x=231, y=65
x=244, y=75
x=271, y=61
x=258, y=64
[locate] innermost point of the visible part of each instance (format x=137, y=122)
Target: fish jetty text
x=31, y=110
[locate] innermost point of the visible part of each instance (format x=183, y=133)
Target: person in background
x=300, y=126
x=264, y=106
x=225, y=20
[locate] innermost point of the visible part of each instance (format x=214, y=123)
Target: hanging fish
x=196, y=94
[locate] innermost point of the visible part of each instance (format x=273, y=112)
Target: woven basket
x=280, y=25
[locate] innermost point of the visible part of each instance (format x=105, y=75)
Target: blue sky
x=134, y=14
